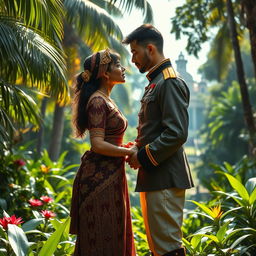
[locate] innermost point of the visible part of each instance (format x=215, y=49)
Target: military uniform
x=162, y=130
x=164, y=174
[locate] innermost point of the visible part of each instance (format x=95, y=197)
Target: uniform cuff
x=146, y=159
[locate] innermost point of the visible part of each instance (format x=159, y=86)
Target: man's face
x=140, y=57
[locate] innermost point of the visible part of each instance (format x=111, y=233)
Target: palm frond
x=119, y=47
x=221, y=51
x=90, y=21
x=17, y=108
x=45, y=15
x=17, y=104
x=110, y=8
x=28, y=54
x=142, y=5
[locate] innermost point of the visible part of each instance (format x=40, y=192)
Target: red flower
x=10, y=220
x=35, y=202
x=46, y=199
x=19, y=162
x=48, y=214
x=152, y=86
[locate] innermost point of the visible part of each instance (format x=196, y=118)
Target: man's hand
x=133, y=161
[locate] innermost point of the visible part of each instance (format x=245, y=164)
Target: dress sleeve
x=97, y=115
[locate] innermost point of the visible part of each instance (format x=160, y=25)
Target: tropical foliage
x=195, y=18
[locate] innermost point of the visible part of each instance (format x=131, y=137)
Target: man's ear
x=151, y=48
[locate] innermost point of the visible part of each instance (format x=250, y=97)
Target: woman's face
x=116, y=73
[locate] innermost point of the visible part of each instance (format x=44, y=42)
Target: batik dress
x=100, y=211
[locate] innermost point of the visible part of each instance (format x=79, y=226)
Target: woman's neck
x=105, y=90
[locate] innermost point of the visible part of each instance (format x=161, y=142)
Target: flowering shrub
x=35, y=202
x=39, y=191
x=46, y=199
x=10, y=220
x=48, y=214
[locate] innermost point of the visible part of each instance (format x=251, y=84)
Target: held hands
x=132, y=159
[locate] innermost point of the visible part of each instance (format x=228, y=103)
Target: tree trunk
x=249, y=8
x=248, y=115
x=41, y=130
x=57, y=132
x=69, y=40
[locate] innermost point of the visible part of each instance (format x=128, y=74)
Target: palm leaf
x=221, y=51
x=16, y=106
x=26, y=53
x=110, y=8
x=90, y=21
x=45, y=15
x=139, y=4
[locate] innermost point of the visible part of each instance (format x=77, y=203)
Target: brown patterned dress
x=100, y=210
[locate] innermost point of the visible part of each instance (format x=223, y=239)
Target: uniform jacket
x=162, y=130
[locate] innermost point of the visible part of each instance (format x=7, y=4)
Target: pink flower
x=19, y=162
x=35, y=202
x=10, y=220
x=48, y=214
x=46, y=199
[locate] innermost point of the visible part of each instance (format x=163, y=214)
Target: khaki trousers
x=163, y=215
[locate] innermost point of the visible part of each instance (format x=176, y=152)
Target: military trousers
x=163, y=215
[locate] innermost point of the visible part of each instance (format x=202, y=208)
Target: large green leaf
x=251, y=185
x=252, y=197
x=238, y=186
x=51, y=244
x=32, y=224
x=18, y=240
x=207, y=210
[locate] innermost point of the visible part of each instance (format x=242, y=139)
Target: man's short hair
x=146, y=34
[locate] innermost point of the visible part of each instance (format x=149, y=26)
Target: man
x=164, y=173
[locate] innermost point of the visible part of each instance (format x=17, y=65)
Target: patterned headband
x=102, y=65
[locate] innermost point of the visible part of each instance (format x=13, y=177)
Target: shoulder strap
x=169, y=73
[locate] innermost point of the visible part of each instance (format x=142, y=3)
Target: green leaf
x=252, y=197
x=213, y=238
x=239, y=240
x=204, y=208
x=196, y=240
x=51, y=244
x=18, y=240
x=238, y=186
x=32, y=224
x=250, y=185
x=222, y=231
x=236, y=198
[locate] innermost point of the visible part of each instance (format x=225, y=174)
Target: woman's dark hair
x=83, y=91
x=144, y=35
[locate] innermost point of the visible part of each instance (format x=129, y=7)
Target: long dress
x=100, y=209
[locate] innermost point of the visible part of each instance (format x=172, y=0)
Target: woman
x=100, y=211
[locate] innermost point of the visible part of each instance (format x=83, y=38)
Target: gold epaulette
x=169, y=73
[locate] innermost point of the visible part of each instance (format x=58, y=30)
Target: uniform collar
x=153, y=72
